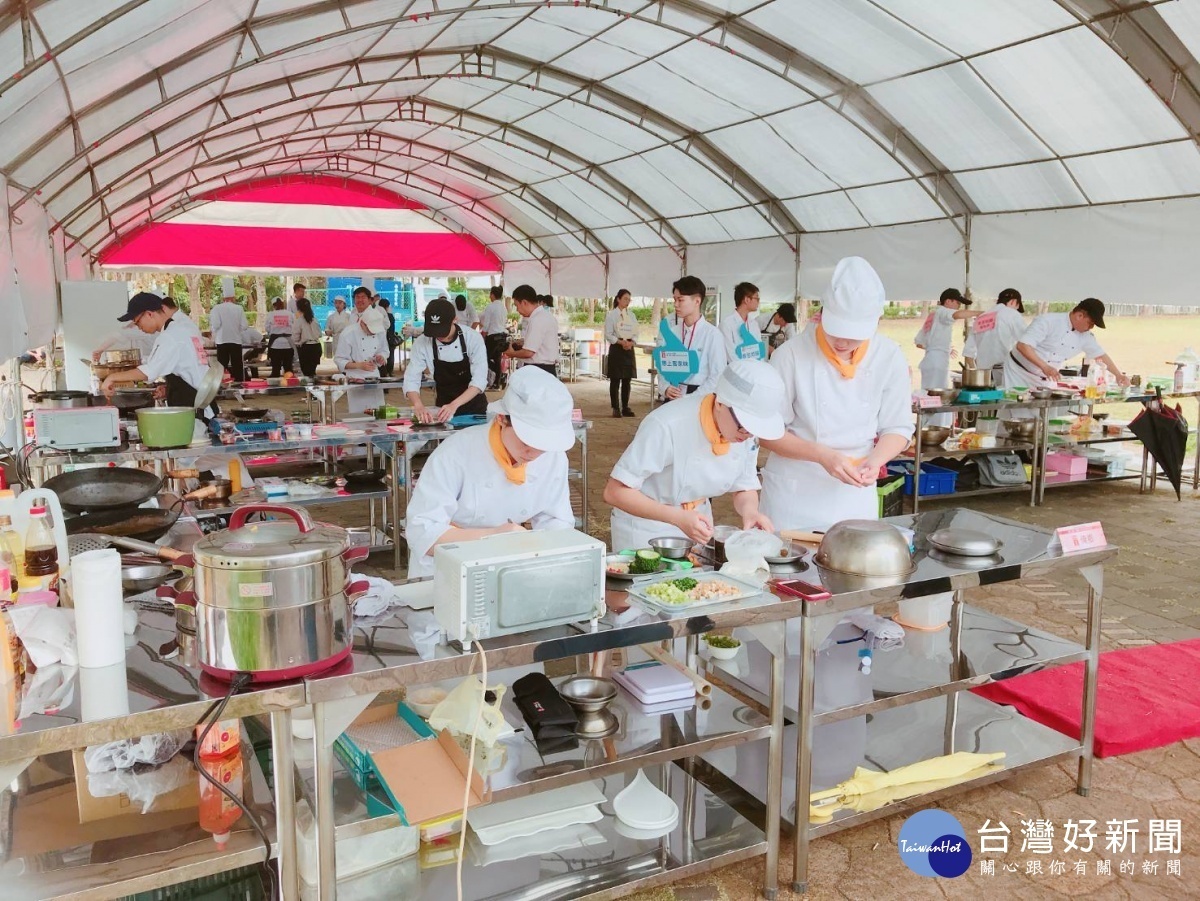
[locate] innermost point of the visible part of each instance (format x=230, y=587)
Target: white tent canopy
x=938, y=139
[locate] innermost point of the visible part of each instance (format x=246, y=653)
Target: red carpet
x=1146, y=698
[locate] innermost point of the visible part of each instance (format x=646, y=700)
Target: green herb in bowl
x=722, y=641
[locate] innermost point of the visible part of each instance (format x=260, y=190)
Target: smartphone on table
x=798, y=588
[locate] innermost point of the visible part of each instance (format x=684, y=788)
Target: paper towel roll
x=99, y=611
x=103, y=692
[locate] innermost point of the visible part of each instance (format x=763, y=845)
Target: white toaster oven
x=517, y=582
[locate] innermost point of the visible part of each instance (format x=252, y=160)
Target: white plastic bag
x=144, y=786
x=126, y=753
x=459, y=712
x=746, y=553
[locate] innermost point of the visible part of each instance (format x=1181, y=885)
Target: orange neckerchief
x=708, y=422
x=846, y=370
x=512, y=472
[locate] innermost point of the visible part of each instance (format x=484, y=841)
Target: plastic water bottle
x=1177, y=385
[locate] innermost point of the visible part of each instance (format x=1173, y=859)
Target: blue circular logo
x=933, y=843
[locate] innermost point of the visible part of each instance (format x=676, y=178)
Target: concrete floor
x=1151, y=596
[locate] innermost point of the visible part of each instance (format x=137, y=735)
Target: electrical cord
x=462, y=832
x=213, y=715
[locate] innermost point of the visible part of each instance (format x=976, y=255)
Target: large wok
x=144, y=523
x=98, y=490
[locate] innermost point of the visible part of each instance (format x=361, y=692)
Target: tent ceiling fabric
x=569, y=128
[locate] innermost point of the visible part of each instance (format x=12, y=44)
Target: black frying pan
x=143, y=523
x=100, y=490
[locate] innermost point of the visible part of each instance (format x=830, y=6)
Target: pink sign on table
x=1086, y=536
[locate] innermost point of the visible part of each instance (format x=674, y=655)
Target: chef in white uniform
x=1054, y=338
x=694, y=449
x=497, y=477
x=996, y=332
x=362, y=349
x=849, y=410
x=935, y=336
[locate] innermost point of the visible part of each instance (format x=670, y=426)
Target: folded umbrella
x=948, y=767
x=823, y=811
x=1164, y=433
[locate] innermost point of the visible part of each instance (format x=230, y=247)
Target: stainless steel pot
x=62, y=400
x=976, y=378
x=274, y=598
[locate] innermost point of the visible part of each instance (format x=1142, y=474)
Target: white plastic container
x=930, y=612
x=354, y=855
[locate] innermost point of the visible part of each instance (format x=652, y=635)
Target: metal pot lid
x=965, y=542
x=210, y=384
x=273, y=544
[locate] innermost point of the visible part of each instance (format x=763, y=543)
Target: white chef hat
x=854, y=300
x=755, y=393
x=374, y=319
x=539, y=407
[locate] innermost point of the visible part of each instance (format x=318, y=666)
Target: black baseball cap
x=1094, y=308
x=787, y=312
x=439, y=318
x=953, y=294
x=144, y=302
x=1008, y=295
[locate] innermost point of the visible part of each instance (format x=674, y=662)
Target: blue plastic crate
x=934, y=479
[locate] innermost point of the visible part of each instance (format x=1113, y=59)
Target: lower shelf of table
x=710, y=835
x=1091, y=479
x=974, y=492
x=892, y=739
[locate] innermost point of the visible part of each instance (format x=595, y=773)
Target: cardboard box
x=425, y=780
x=1067, y=464
x=91, y=808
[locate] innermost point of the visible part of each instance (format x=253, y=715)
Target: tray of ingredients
x=682, y=593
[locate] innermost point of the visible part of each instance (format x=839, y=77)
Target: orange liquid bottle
x=218, y=813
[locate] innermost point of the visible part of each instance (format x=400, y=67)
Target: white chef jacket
x=356, y=346
x=336, y=322
x=466, y=318
x=845, y=414
x=495, y=318
x=731, y=330
x=179, y=351
x=672, y=462
x=279, y=329
x=619, y=325
x=421, y=360
x=1055, y=341
x=227, y=321
x=541, y=336
x=940, y=333
x=708, y=343
x=994, y=346
x=463, y=484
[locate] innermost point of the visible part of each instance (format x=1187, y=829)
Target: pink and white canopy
x=306, y=223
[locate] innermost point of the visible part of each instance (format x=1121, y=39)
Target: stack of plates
x=547, y=811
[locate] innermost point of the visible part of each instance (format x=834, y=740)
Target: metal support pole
x=916, y=495
x=775, y=779
x=1091, y=671
x=1039, y=455
x=804, y=740
x=956, y=672
x=283, y=766
x=326, y=837
x=583, y=452
x=394, y=499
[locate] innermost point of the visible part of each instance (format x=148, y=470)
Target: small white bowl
x=723, y=653
x=424, y=700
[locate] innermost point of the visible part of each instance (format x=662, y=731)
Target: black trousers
x=388, y=368
x=310, y=358
x=623, y=385
x=281, y=360
x=551, y=368
x=495, y=346
x=230, y=356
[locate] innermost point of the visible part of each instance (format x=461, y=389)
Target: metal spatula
x=94, y=541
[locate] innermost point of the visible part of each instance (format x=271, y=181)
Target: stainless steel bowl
x=1020, y=428
x=588, y=697
x=945, y=395
x=934, y=435
x=144, y=577
x=788, y=553
x=1041, y=394
x=672, y=548
x=865, y=547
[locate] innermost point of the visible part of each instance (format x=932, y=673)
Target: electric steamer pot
x=273, y=598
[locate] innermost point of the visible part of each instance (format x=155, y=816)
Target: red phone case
x=798, y=588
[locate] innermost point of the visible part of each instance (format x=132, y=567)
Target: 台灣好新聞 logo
x=933, y=843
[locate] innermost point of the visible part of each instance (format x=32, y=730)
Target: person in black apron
x=620, y=327
x=452, y=378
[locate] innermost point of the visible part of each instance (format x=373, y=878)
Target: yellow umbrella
x=881, y=797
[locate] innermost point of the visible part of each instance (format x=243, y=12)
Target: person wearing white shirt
x=692, y=450
x=995, y=333
x=458, y=361
x=740, y=329
x=779, y=326
x=227, y=320
x=498, y=477
x=361, y=350
x=935, y=336
x=299, y=291
x=695, y=333
x=337, y=321
x=493, y=322
x=620, y=328
x=849, y=409
x=540, y=346
x=178, y=358
x=279, y=339
x=464, y=312
x=1054, y=338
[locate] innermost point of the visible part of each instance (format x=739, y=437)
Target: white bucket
x=929, y=612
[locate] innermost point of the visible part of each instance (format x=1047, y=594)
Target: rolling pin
x=813, y=538
x=703, y=688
